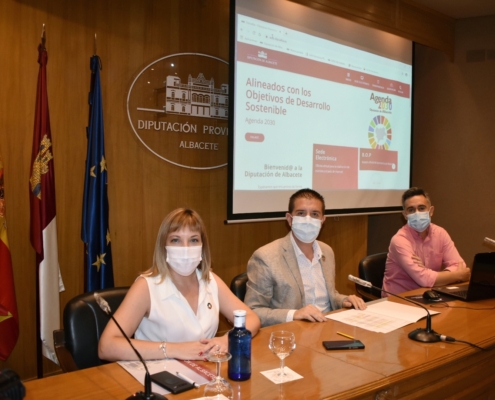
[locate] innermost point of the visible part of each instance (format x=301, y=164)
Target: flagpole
x=43, y=222
x=95, y=231
x=39, y=343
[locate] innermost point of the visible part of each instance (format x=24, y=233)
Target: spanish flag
x=9, y=321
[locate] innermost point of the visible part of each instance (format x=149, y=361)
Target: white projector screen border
x=315, y=101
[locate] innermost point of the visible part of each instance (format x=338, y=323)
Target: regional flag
x=95, y=232
x=43, y=215
x=9, y=320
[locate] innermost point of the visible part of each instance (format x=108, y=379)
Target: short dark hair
x=414, y=191
x=306, y=194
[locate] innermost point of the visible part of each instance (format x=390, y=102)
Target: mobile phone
x=171, y=382
x=343, y=345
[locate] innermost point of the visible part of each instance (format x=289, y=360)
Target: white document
x=136, y=369
x=383, y=316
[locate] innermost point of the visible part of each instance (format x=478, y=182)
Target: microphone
x=360, y=282
x=427, y=335
x=147, y=395
x=103, y=305
x=489, y=241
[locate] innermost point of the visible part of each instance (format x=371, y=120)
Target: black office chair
x=372, y=269
x=238, y=285
x=76, y=345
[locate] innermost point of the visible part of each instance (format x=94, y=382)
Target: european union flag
x=95, y=232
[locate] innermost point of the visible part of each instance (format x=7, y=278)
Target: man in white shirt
x=293, y=278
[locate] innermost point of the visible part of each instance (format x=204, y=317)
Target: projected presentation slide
x=334, y=119
x=312, y=112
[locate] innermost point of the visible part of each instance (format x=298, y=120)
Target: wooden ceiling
x=459, y=9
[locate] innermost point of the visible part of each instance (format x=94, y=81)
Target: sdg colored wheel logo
x=380, y=133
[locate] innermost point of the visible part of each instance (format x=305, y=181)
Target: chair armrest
x=64, y=356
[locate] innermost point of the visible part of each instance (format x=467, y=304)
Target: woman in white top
x=172, y=309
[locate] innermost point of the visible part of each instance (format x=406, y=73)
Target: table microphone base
x=422, y=335
x=142, y=396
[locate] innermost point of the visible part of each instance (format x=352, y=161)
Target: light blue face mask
x=419, y=221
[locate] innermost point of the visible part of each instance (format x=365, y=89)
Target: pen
x=188, y=380
x=343, y=334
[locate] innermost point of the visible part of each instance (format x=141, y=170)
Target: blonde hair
x=175, y=221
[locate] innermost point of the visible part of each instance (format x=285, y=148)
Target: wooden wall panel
x=453, y=98
x=142, y=187
x=382, y=12
x=346, y=238
x=426, y=26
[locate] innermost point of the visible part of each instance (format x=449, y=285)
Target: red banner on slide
x=278, y=60
x=378, y=160
x=335, y=167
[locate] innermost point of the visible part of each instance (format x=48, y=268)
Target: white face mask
x=184, y=259
x=306, y=229
x=419, y=221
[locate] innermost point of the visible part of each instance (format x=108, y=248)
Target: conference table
x=391, y=366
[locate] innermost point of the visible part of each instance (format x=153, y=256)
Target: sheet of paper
x=136, y=369
x=369, y=320
x=290, y=375
x=384, y=316
x=400, y=311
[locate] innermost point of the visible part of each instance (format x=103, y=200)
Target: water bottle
x=240, y=348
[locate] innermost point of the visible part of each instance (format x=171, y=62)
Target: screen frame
x=279, y=215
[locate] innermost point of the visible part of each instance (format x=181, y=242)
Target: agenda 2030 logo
x=178, y=109
x=383, y=103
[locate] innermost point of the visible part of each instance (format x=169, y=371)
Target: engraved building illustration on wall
x=198, y=97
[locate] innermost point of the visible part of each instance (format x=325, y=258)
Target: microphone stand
x=426, y=335
x=147, y=395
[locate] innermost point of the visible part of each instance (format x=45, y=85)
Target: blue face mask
x=419, y=221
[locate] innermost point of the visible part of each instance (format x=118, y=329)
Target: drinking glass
x=282, y=343
x=218, y=385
